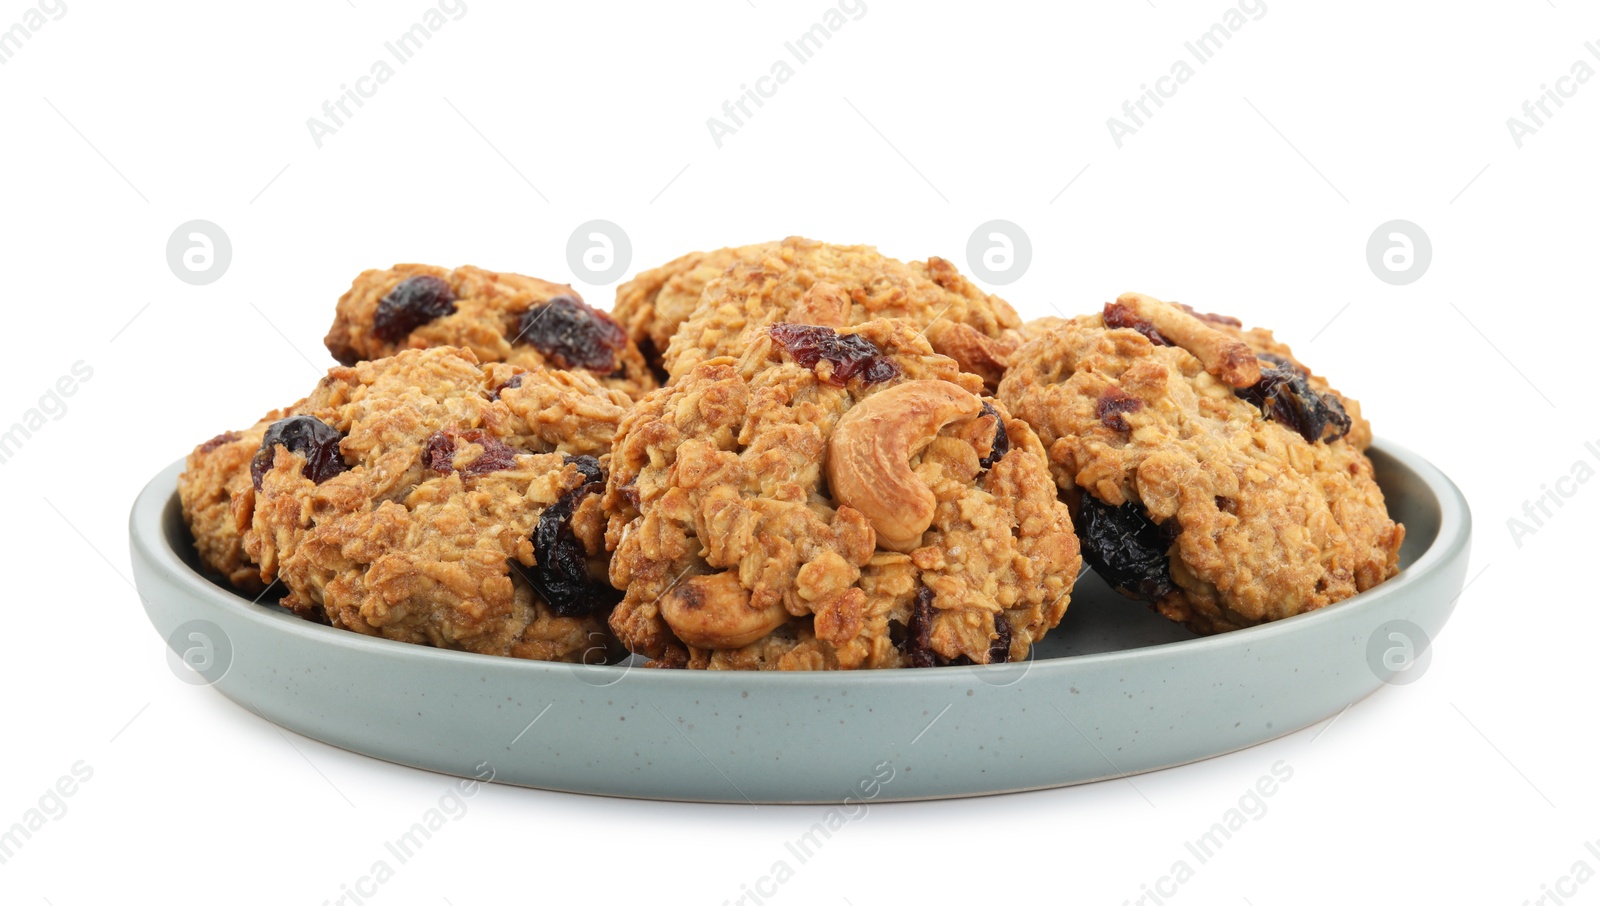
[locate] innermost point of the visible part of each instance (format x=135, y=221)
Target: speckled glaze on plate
x=1116, y=690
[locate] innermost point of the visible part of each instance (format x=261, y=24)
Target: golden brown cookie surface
x=428, y=499
x=656, y=302
x=840, y=286
x=501, y=317
x=1211, y=473
x=833, y=500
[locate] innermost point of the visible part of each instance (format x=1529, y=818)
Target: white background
x=121, y=121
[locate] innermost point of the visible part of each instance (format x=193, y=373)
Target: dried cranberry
x=851, y=355
x=1000, y=648
x=588, y=467
x=412, y=303
x=311, y=437
x=1214, y=319
x=515, y=382
x=1118, y=315
x=1002, y=440
x=1113, y=405
x=561, y=575
x=497, y=455
x=1285, y=395
x=439, y=452
x=1125, y=547
x=226, y=437
x=918, y=643
x=572, y=335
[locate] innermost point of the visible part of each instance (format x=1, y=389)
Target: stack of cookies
x=787, y=456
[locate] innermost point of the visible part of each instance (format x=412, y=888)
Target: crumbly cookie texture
x=653, y=305
x=428, y=499
x=833, y=500
x=501, y=317
x=216, y=498
x=841, y=286
x=1210, y=472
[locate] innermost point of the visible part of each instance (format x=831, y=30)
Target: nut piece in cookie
x=833, y=499
x=838, y=286
x=501, y=317
x=1210, y=472
x=426, y=498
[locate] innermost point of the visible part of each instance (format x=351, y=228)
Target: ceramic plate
x=1116, y=690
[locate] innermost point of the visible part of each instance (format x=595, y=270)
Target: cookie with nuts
x=833, y=499
x=840, y=286
x=427, y=498
x=1211, y=473
x=501, y=317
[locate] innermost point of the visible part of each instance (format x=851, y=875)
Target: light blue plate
x=1116, y=690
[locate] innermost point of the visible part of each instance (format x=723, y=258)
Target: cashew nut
x=869, y=467
x=1222, y=355
x=714, y=611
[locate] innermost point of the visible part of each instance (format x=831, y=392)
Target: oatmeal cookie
x=833, y=499
x=428, y=499
x=840, y=286
x=656, y=302
x=501, y=317
x=215, y=495
x=1210, y=472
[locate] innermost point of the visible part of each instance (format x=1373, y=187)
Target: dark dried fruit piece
x=1281, y=362
x=1125, y=547
x=307, y=435
x=1000, y=648
x=439, y=452
x=226, y=437
x=1114, y=405
x=1118, y=315
x=918, y=643
x=561, y=576
x=412, y=303
x=572, y=335
x=1284, y=395
x=515, y=382
x=1214, y=319
x=588, y=467
x=1002, y=440
x=851, y=355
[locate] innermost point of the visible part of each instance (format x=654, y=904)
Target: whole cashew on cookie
x=869, y=456
x=714, y=611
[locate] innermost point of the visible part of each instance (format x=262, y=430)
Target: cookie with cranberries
x=215, y=496
x=501, y=317
x=837, y=286
x=427, y=498
x=1211, y=473
x=833, y=499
